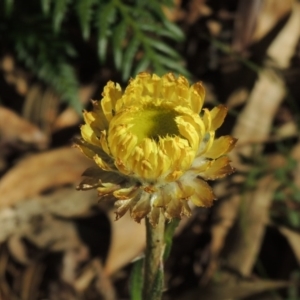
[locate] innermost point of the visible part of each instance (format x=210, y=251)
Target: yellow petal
x=142, y=207
x=86, y=151
x=186, y=190
x=154, y=216
x=185, y=211
x=218, y=169
x=206, y=143
x=174, y=208
x=182, y=90
x=114, y=135
x=107, y=188
x=91, y=150
x=122, y=167
x=203, y=195
x=111, y=94
x=187, y=130
x=95, y=119
x=168, y=87
x=200, y=165
x=104, y=176
x=126, y=193
x=152, y=85
x=125, y=205
x=173, y=176
x=103, y=142
x=218, y=115
x=99, y=115
x=207, y=119
x=102, y=163
x=163, y=163
x=89, y=135
x=197, y=94
x=221, y=146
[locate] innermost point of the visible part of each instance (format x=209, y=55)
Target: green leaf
x=8, y=7
x=49, y=64
x=141, y=15
x=104, y=18
x=129, y=56
x=156, y=7
x=60, y=9
x=67, y=86
x=142, y=65
x=168, y=3
x=136, y=280
x=46, y=6
x=84, y=11
x=102, y=48
x=176, y=31
x=158, y=29
x=118, y=37
x=172, y=65
x=169, y=233
x=161, y=46
x=70, y=50
x=294, y=218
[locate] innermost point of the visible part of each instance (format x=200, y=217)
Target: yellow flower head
x=155, y=146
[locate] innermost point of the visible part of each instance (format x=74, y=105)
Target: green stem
x=153, y=270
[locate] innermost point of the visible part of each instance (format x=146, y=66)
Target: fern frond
x=49, y=64
x=60, y=10
x=163, y=47
x=8, y=7
x=142, y=65
x=105, y=17
x=137, y=32
x=46, y=6
x=129, y=56
x=158, y=30
x=174, y=29
x=118, y=37
x=84, y=10
x=172, y=65
x=142, y=19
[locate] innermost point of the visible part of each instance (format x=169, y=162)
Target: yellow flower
x=155, y=146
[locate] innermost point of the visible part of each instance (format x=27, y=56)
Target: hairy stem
x=154, y=270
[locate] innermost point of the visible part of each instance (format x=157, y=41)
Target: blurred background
x=57, y=243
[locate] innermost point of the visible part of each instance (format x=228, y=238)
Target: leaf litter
x=58, y=243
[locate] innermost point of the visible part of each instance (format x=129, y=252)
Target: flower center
x=154, y=122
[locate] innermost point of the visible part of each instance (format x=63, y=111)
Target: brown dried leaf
x=14, y=129
x=246, y=18
x=70, y=117
x=175, y=12
x=41, y=106
x=40, y=172
x=250, y=233
x=225, y=216
x=127, y=242
x=271, y=12
x=94, y=272
x=293, y=238
x=14, y=76
x=254, y=123
x=29, y=216
x=7, y=64
x=233, y=288
x=288, y=36
x=296, y=156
